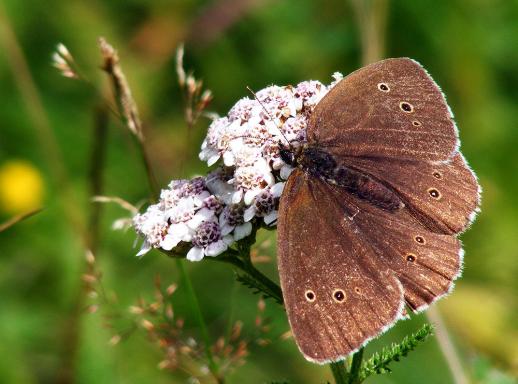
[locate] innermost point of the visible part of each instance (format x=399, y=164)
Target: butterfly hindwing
x=425, y=262
x=390, y=109
x=321, y=258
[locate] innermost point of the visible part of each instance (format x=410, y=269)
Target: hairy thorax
x=323, y=165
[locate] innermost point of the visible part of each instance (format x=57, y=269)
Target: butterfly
x=368, y=220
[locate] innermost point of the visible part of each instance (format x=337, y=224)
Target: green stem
x=150, y=175
x=199, y=318
x=339, y=372
x=354, y=376
x=231, y=314
x=266, y=285
x=270, y=287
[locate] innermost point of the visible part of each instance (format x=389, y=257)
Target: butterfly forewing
x=338, y=293
x=390, y=109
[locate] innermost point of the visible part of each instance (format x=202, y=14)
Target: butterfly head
x=309, y=158
x=289, y=154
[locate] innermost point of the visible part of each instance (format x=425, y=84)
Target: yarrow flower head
x=212, y=212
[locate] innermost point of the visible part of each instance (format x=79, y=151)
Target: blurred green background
x=46, y=334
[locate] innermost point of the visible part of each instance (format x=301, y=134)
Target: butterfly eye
x=410, y=257
x=406, y=107
x=437, y=175
x=416, y=123
x=338, y=295
x=310, y=296
x=419, y=239
x=383, y=87
x=434, y=193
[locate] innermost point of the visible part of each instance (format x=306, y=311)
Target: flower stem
x=199, y=318
x=354, y=375
x=263, y=283
x=150, y=175
x=271, y=288
x=339, y=372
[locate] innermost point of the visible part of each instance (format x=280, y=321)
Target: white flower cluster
x=214, y=211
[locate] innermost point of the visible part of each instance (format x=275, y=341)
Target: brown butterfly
x=368, y=221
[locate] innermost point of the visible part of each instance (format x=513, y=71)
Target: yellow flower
x=21, y=187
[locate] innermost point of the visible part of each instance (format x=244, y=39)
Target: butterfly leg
x=357, y=210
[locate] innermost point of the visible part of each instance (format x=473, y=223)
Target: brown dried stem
x=371, y=16
x=127, y=107
x=16, y=219
x=448, y=349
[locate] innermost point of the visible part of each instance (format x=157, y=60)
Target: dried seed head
x=206, y=98
x=64, y=52
x=227, y=351
x=191, y=84
x=191, y=342
x=147, y=325
x=261, y=305
x=114, y=340
x=90, y=258
x=171, y=289
x=287, y=335
x=62, y=60
x=263, y=342
x=158, y=281
x=185, y=350
x=93, y=308
x=164, y=364
x=179, y=66
x=127, y=106
x=136, y=310
x=169, y=311
x=236, y=330
x=89, y=278
x=220, y=344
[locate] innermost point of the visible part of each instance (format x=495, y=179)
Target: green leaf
x=258, y=287
x=379, y=362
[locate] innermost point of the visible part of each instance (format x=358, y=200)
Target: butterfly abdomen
x=367, y=188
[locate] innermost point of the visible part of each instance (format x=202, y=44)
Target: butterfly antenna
x=268, y=113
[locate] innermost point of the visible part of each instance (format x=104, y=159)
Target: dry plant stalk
x=126, y=103
x=127, y=106
x=117, y=200
x=196, y=99
x=182, y=351
x=16, y=219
